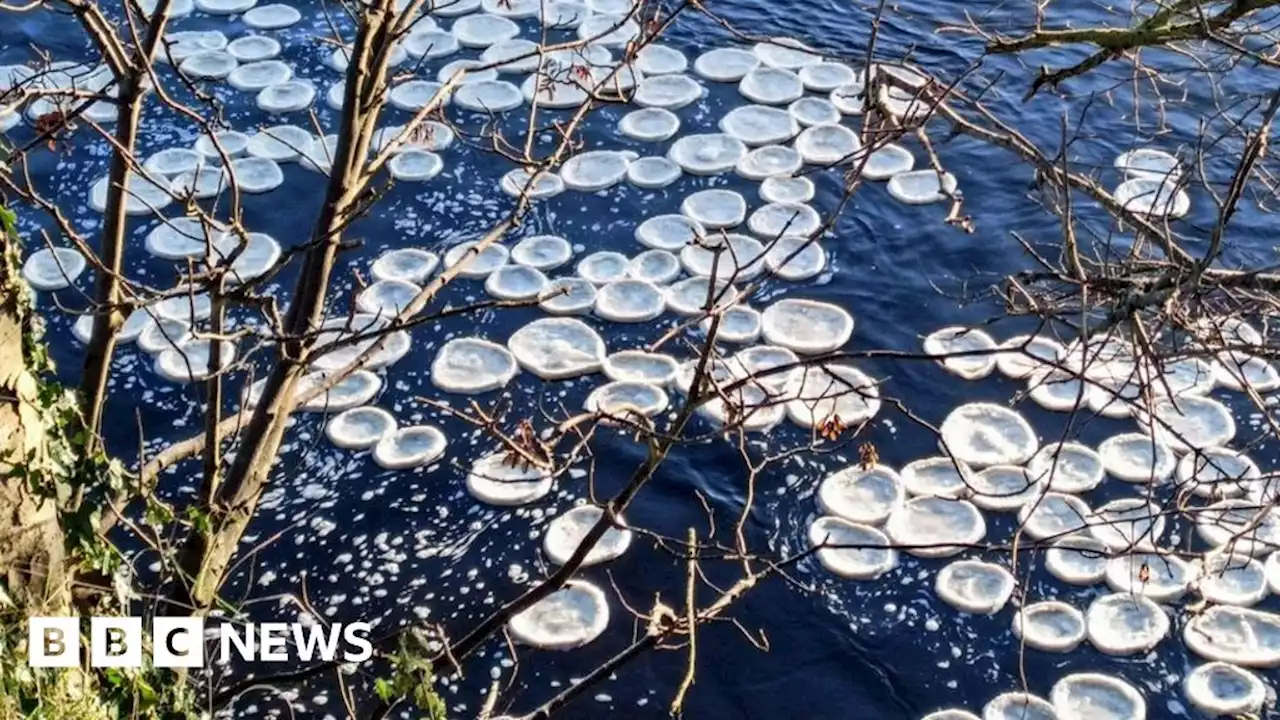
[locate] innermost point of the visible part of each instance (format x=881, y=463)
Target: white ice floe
x=413, y=95
x=921, y=187
x=431, y=44
x=543, y=252
x=566, y=619
x=975, y=587
x=850, y=99
x=1217, y=472
x=727, y=257
x=1161, y=578
x=497, y=480
x=942, y=477
x=715, y=209
x=476, y=264
x=254, y=255
x=983, y=434
x=826, y=76
x=256, y=175
x=467, y=71
x=1060, y=390
x=1240, y=524
x=654, y=59
x=867, y=553
x=1221, y=689
x=1004, y=487
x=161, y=334
x=515, y=282
x=488, y=96
x=725, y=64
x=769, y=161
x=409, y=447
x=208, y=65
x=359, y=428
x=795, y=258
x=224, y=7
x=1097, y=696
x=640, y=366
x=558, y=348
x=142, y=196
x=280, y=143
x=776, y=220
x=1024, y=354
x=253, y=48
x=275, y=16
x=1153, y=197
x=172, y=161
x=603, y=267
x=233, y=143
x=386, y=298
x=472, y=365
x=810, y=111
x=669, y=92
x=810, y=327
x=1053, y=515
x=1241, y=636
x=690, y=296
x=787, y=189
x=358, y=388
x=931, y=527
x=608, y=30
x=867, y=495
x=957, y=339
x=1240, y=372
x=564, y=14
x=786, y=52
x=185, y=306
x=669, y=232
x=951, y=714
x=1050, y=626
x=192, y=361
x=1148, y=163
x=544, y=184
x=56, y=268
x=653, y=172
x=1124, y=624
x=739, y=325
x=656, y=266
x=565, y=534
x=629, y=301
x=515, y=9
x=359, y=335
x=1189, y=422
x=594, y=170
x=1077, y=559
x=1229, y=578
x=568, y=296
x=828, y=144
x=771, y=86
x=482, y=30
x=1137, y=458
x=201, y=184
x=759, y=125
x=707, y=154
x=428, y=135
x=625, y=398
x=885, y=162
x=415, y=166
x=1128, y=523
x=650, y=124
x=834, y=391
x=1067, y=467
x=1018, y=706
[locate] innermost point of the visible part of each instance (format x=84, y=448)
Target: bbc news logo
x=179, y=642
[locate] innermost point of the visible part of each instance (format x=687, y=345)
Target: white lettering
x=313, y=638
x=357, y=634
x=272, y=640
x=227, y=637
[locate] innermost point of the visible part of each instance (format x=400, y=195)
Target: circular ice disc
x=1190, y=422
x=53, y=268
x=1230, y=578
x=807, y=326
x=739, y=324
x=974, y=587
x=163, y=333
x=707, y=154
x=1067, y=467
x=409, y=447
x=787, y=189
x=656, y=266
x=627, y=399
x=564, y=14
x=224, y=7
x=412, y=265
x=885, y=162
x=983, y=434
x=1025, y=354
x=1239, y=372
x=280, y=143
x=1221, y=689
x=185, y=306
x=951, y=714
x=594, y=170
x=482, y=30
x=415, y=166
x=360, y=428
x=640, y=366
x=1050, y=626
x=231, y=142
x=558, y=348
x=921, y=187
x=1077, y=559
x=661, y=60
x=1148, y=163
x=516, y=56
x=852, y=550
x=566, y=619
x=760, y=125
x=467, y=71
x=515, y=282
x=1018, y=706
x=208, y=65
x=488, y=96
x=1162, y=578
x=173, y=161
x=650, y=124
x=778, y=219
x=358, y=388
x=565, y=534
x=725, y=64
x=1004, y=487
x=728, y=257
x=629, y=301
x=715, y=209
x=1053, y=515
x=771, y=86
x=254, y=256
x=515, y=9
x=431, y=44
x=603, y=267
x=810, y=111
x=191, y=361
x=544, y=184
x=472, y=365
x=826, y=76
x=253, y=48
x=1124, y=624
x=387, y=298
x=834, y=391
x=942, y=477
x=498, y=479
x=454, y=8
x=476, y=264
x=1242, y=636
x=1241, y=524
x=769, y=161
x=608, y=30
x=568, y=296
x=653, y=172
x=257, y=76
x=275, y=16
x=930, y=527
x=1128, y=523
x=1137, y=458
x=1152, y=197
x=950, y=341
x=828, y=145
x=1218, y=473
x=795, y=258
x=786, y=52
x=690, y=295
x=543, y=252
x=1095, y=696
x=867, y=495
x=141, y=196
x=414, y=95
x=669, y=232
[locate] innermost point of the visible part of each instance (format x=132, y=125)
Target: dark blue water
x=362, y=543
